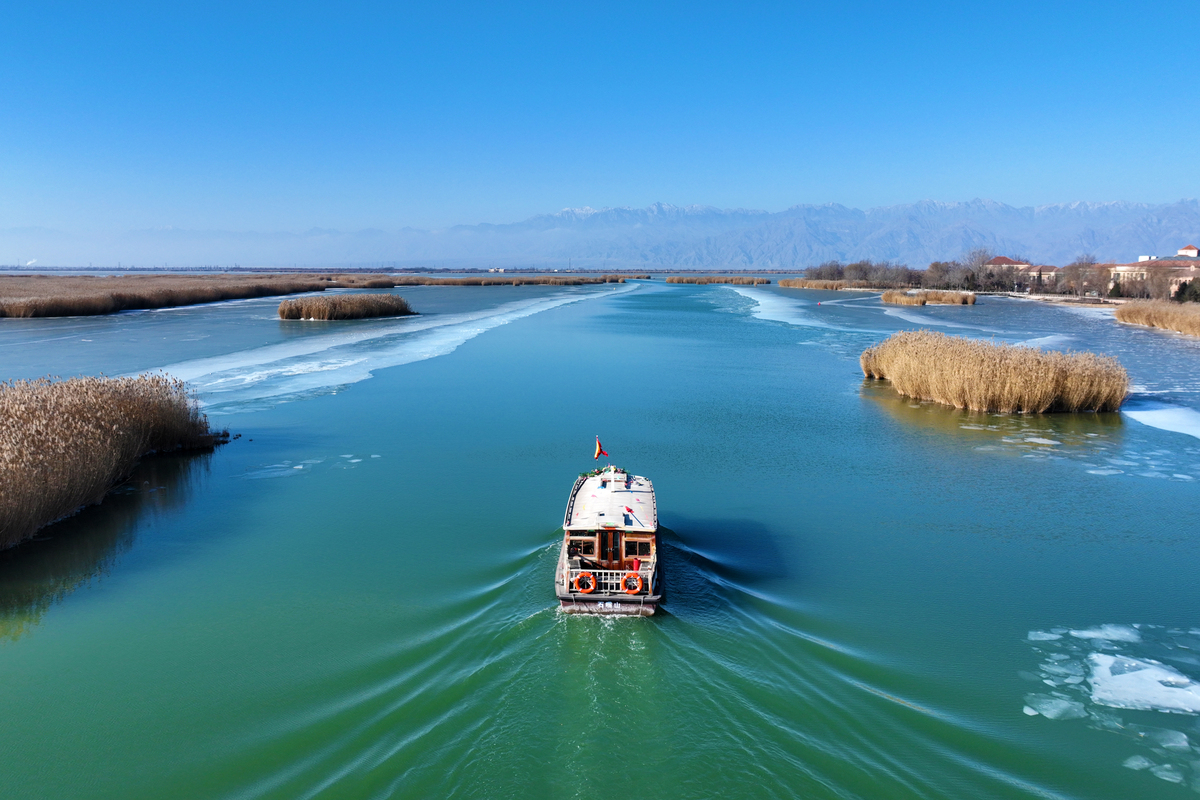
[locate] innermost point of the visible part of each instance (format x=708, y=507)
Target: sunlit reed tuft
x=1179, y=317
x=345, y=306
x=810, y=283
x=739, y=280
x=984, y=376
x=932, y=297
x=64, y=444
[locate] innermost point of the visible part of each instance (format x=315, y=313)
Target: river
x=867, y=597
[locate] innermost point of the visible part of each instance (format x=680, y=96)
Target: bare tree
x=1100, y=278
x=1077, y=276
x=1158, y=283
x=975, y=258
x=937, y=276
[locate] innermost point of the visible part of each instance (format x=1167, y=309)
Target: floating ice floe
x=1134, y=683
x=1053, y=707
x=1113, y=633
x=1164, y=416
x=1137, y=762
x=1168, y=772
x=1125, y=683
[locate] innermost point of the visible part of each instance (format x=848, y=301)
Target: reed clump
x=984, y=376
x=938, y=297
x=1178, y=317
x=739, y=280
x=827, y=285
x=898, y=298
x=933, y=297
x=86, y=295
x=345, y=306
x=64, y=444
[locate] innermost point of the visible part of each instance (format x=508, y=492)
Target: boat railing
x=571, y=502
x=608, y=581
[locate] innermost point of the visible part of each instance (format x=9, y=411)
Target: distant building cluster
x=1173, y=270
x=1150, y=276
x=1028, y=275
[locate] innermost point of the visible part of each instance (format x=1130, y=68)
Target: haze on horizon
x=275, y=118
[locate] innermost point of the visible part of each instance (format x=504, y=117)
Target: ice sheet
x=774, y=308
x=319, y=364
x=1054, y=707
x=1143, y=684
x=1163, y=416
x=1113, y=633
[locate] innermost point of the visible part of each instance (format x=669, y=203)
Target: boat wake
x=259, y=378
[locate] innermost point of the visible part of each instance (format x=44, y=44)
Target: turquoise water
x=354, y=599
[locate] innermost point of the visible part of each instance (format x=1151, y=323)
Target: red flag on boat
x=599, y=450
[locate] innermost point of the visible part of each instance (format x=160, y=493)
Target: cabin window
x=587, y=547
x=636, y=549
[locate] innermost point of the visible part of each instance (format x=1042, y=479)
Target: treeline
x=882, y=274
x=970, y=272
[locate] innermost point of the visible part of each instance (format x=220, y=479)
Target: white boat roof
x=613, y=499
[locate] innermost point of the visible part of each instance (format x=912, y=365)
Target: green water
x=354, y=599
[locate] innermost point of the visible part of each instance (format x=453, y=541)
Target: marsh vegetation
x=345, y=306
x=822, y=284
x=1179, y=317
x=84, y=295
x=739, y=280
x=984, y=376
x=932, y=297
x=64, y=444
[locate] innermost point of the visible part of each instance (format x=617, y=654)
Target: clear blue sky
x=288, y=116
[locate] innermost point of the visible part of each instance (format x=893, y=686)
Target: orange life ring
x=591, y=580
x=625, y=583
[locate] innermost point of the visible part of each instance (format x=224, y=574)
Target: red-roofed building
x=1159, y=275
x=1029, y=274
x=1005, y=261
x=1025, y=275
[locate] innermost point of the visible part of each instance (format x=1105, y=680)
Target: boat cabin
x=610, y=547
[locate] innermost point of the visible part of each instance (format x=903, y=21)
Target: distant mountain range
x=666, y=236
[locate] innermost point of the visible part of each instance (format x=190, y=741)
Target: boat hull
x=609, y=607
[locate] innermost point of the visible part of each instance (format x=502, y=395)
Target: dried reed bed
x=984, y=376
x=938, y=297
x=64, y=444
x=1179, y=317
x=739, y=280
x=516, y=280
x=77, y=295
x=833, y=285
x=896, y=297
x=345, y=306
x=901, y=298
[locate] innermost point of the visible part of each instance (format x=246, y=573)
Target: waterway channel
x=868, y=597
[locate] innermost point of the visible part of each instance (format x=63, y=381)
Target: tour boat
x=609, y=558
